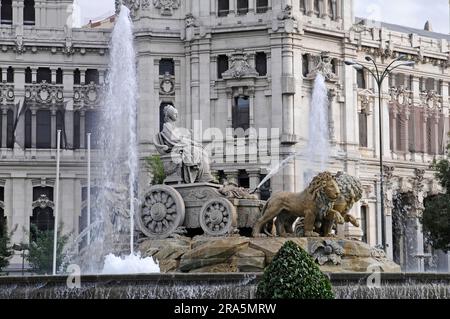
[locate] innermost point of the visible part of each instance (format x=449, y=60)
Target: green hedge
x=293, y=274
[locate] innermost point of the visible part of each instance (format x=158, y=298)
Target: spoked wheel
x=218, y=217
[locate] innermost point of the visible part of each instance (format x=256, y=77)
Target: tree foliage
x=6, y=251
x=156, y=168
x=293, y=274
x=436, y=217
x=40, y=252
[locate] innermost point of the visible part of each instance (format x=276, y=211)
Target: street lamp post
x=379, y=78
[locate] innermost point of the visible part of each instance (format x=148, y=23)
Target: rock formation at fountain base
x=203, y=254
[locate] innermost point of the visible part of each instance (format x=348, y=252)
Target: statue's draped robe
x=194, y=158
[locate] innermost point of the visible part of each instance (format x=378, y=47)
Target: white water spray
x=318, y=148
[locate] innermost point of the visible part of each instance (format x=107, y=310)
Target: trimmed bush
x=293, y=274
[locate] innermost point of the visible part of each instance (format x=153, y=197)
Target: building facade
x=241, y=74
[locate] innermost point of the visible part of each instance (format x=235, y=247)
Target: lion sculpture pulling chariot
x=327, y=201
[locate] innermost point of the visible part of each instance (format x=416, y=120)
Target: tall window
x=241, y=113
x=28, y=75
x=430, y=84
x=91, y=126
x=242, y=7
x=363, y=129
x=305, y=65
x=6, y=12
x=222, y=65
x=361, y=79
x=10, y=129
x=28, y=129
x=166, y=66
x=364, y=218
x=42, y=217
x=76, y=130
x=92, y=75
x=223, y=8
x=43, y=129
x=10, y=75
x=2, y=214
x=29, y=16
x=60, y=126
x=261, y=63
x=262, y=6
x=59, y=76
x=243, y=179
x=77, y=77
x=44, y=74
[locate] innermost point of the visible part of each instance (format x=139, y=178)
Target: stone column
x=20, y=213
x=254, y=178
x=232, y=176
x=394, y=130
x=68, y=94
x=406, y=113
x=324, y=14
x=424, y=130
x=33, y=75
x=232, y=8
x=309, y=7
x=17, y=7
x=68, y=214
x=83, y=76
x=436, y=117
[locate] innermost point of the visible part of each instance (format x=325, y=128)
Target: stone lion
x=351, y=192
x=314, y=203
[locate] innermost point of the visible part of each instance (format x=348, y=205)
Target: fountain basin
x=216, y=286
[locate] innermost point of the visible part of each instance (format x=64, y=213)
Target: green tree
x=6, y=251
x=156, y=168
x=40, y=252
x=436, y=217
x=293, y=274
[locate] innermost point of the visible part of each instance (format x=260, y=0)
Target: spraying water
x=115, y=205
x=318, y=148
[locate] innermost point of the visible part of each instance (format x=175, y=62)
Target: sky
x=412, y=13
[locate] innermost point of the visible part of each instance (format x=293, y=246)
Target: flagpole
x=89, y=187
x=55, y=228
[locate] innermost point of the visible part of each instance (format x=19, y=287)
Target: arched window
x=222, y=65
x=28, y=129
x=77, y=77
x=241, y=113
x=76, y=130
x=92, y=76
x=242, y=7
x=166, y=66
x=262, y=6
x=44, y=75
x=364, y=218
x=43, y=129
x=223, y=8
x=42, y=218
x=29, y=15
x=261, y=63
x=59, y=76
x=10, y=129
x=28, y=75
x=10, y=75
x=6, y=12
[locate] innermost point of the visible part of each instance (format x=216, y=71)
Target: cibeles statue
x=185, y=161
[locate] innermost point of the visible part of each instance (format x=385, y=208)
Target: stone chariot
x=190, y=198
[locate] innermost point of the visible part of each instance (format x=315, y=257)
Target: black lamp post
x=380, y=76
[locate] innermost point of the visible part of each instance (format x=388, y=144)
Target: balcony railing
x=223, y=13
x=262, y=9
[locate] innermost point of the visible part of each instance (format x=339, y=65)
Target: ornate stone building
x=245, y=67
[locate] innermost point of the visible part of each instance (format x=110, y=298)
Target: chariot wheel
x=218, y=217
x=162, y=211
